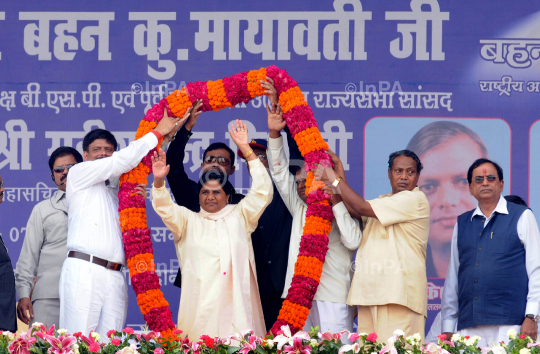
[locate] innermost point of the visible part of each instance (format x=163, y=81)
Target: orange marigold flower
x=151, y=299
x=133, y=218
x=141, y=263
x=309, y=267
x=294, y=314
x=179, y=102
x=291, y=98
x=316, y=225
x=217, y=95
x=310, y=140
x=254, y=78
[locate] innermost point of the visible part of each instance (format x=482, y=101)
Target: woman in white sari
x=219, y=285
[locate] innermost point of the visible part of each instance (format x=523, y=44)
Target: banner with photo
x=450, y=80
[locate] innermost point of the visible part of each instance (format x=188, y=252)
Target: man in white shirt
x=329, y=310
x=93, y=291
x=493, y=281
x=44, y=247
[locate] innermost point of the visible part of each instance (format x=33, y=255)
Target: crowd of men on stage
x=68, y=272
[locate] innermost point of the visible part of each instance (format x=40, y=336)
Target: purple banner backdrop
x=67, y=67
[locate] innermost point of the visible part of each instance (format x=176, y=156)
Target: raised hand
x=338, y=165
x=270, y=90
x=159, y=166
x=239, y=134
x=275, y=120
x=167, y=124
x=170, y=137
x=194, y=116
x=335, y=198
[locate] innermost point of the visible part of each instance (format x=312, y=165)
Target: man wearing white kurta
x=329, y=310
x=493, y=280
x=93, y=290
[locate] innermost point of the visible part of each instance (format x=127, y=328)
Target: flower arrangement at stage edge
x=216, y=95
x=40, y=340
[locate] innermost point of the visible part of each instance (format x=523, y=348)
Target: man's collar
x=59, y=194
x=501, y=208
x=416, y=189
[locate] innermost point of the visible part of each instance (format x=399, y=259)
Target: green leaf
x=260, y=349
x=232, y=350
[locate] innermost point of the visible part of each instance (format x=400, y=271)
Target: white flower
x=75, y=348
x=525, y=351
x=96, y=336
x=313, y=342
x=37, y=325
x=399, y=333
x=456, y=337
x=362, y=334
x=511, y=333
x=61, y=331
x=470, y=342
x=498, y=350
x=270, y=343
x=417, y=337
x=10, y=336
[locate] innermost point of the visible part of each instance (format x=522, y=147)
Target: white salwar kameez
x=219, y=283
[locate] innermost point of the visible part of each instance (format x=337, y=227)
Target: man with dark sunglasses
x=44, y=248
x=493, y=280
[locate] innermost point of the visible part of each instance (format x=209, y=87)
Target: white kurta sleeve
x=530, y=237
x=174, y=216
x=258, y=197
x=88, y=173
x=27, y=265
x=349, y=228
x=450, y=305
x=279, y=170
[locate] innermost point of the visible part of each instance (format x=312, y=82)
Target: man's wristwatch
x=535, y=318
x=336, y=182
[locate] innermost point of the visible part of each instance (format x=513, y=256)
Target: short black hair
x=516, y=199
x=219, y=145
x=216, y=175
x=64, y=151
x=482, y=161
x=99, y=134
x=407, y=153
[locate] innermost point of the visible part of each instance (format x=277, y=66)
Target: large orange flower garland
x=216, y=95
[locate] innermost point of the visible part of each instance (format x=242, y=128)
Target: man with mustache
x=389, y=284
x=8, y=317
x=93, y=290
x=44, y=247
x=493, y=280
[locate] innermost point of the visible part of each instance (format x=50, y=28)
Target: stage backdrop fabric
x=455, y=80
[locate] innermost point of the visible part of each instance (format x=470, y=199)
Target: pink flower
x=346, y=348
x=297, y=347
x=441, y=337
x=23, y=344
x=177, y=332
x=250, y=345
x=94, y=347
x=353, y=337
x=61, y=345
x=111, y=333
x=116, y=341
x=372, y=337
x=128, y=330
x=522, y=336
x=159, y=351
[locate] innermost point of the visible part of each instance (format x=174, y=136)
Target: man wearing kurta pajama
x=329, y=310
x=93, y=290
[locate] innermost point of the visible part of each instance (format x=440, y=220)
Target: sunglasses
x=60, y=169
x=480, y=179
x=220, y=160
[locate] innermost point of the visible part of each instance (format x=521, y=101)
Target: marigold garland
x=216, y=95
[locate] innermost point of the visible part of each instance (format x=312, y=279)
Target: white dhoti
x=92, y=298
x=330, y=317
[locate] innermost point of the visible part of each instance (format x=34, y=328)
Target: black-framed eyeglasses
x=60, y=169
x=480, y=179
x=1, y=184
x=223, y=161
